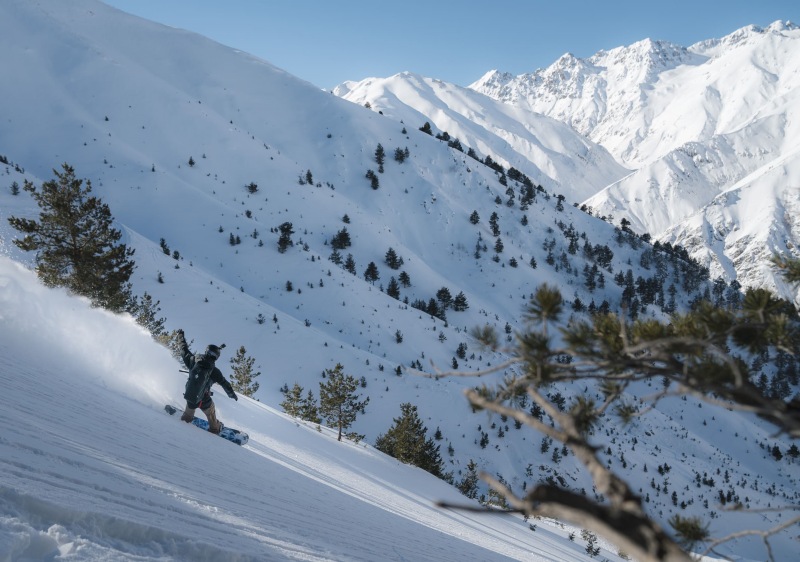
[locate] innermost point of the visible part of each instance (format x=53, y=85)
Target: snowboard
x=238, y=437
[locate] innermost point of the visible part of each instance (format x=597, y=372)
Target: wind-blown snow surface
x=91, y=468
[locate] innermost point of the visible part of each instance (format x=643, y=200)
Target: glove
x=232, y=394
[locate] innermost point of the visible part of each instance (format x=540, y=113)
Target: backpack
x=199, y=376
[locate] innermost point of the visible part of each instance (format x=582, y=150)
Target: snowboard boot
x=188, y=415
x=214, y=426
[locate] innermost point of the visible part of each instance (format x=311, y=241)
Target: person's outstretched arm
x=186, y=353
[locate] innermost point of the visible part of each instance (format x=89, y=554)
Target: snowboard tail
x=238, y=437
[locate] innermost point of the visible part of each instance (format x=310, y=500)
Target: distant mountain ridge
x=552, y=154
x=691, y=123
x=627, y=98
x=591, y=95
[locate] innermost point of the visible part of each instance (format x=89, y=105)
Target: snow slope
x=737, y=232
x=91, y=468
x=128, y=102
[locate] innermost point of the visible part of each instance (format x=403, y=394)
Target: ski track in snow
x=378, y=492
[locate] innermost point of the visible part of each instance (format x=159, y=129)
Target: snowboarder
x=202, y=375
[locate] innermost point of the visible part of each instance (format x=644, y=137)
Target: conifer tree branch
x=692, y=353
x=765, y=535
x=629, y=529
x=624, y=521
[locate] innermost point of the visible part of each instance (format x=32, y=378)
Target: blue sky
x=327, y=42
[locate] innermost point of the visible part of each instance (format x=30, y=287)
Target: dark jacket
x=189, y=359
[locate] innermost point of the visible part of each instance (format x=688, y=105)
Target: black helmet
x=213, y=351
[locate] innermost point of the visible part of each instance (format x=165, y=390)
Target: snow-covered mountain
x=551, y=153
x=645, y=100
x=690, y=123
x=696, y=124
x=129, y=104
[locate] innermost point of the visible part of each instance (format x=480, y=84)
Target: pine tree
x=243, y=376
x=374, y=182
x=432, y=308
x=407, y=441
x=444, y=297
x=308, y=408
x=393, y=290
x=339, y=404
x=392, y=259
x=341, y=239
x=298, y=406
x=285, y=239
x=336, y=257
x=469, y=484
x=498, y=245
x=76, y=246
x=350, y=264
x=145, y=311
x=371, y=273
x=494, y=225
x=460, y=303
x=380, y=157
x=293, y=399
